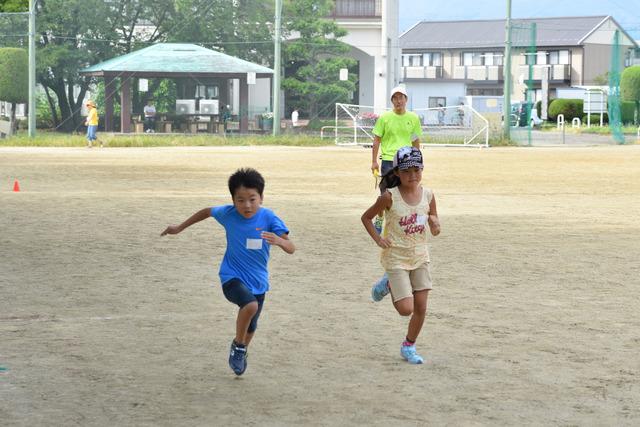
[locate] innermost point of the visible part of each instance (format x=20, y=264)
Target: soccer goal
x=459, y=126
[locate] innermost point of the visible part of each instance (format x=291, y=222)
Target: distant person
x=225, y=116
x=460, y=114
x=393, y=130
x=409, y=208
x=92, y=124
x=440, y=114
x=149, y=117
x=250, y=230
x=294, y=117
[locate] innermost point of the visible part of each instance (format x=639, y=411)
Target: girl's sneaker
x=380, y=289
x=408, y=353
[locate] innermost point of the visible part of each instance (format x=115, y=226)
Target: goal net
x=458, y=125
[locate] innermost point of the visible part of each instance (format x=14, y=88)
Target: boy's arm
x=434, y=221
x=196, y=217
x=383, y=202
x=282, y=241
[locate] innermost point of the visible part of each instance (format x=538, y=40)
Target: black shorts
x=238, y=293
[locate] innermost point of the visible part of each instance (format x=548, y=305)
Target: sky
x=625, y=12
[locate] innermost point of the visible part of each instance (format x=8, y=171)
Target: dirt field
x=533, y=319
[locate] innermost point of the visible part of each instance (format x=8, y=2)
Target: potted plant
x=267, y=120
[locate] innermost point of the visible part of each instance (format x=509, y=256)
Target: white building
x=372, y=27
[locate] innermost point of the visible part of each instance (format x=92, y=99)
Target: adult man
x=393, y=130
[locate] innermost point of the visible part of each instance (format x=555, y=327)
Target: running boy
x=408, y=208
x=250, y=230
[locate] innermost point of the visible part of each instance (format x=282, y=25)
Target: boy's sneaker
x=380, y=289
x=408, y=353
x=238, y=358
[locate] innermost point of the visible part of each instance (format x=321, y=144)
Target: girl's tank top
x=406, y=226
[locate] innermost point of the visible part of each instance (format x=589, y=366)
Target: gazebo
x=174, y=61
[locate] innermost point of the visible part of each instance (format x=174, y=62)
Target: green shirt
x=396, y=131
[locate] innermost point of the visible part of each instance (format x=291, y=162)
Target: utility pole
x=277, y=66
x=32, y=69
x=506, y=104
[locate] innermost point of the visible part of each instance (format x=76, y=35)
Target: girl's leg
x=404, y=306
x=419, y=314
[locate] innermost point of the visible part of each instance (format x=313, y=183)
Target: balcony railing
x=357, y=9
x=434, y=72
x=479, y=72
x=557, y=72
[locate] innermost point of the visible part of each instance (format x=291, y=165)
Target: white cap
x=399, y=89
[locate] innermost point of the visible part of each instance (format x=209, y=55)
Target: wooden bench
x=288, y=124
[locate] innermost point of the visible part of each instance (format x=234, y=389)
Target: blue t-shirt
x=247, y=254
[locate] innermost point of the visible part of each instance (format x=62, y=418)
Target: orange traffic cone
x=16, y=186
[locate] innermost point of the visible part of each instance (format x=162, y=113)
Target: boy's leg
x=253, y=325
x=236, y=292
x=245, y=314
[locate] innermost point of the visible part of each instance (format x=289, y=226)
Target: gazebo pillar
x=125, y=104
x=109, y=93
x=244, y=104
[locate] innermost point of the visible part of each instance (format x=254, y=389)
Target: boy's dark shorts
x=238, y=293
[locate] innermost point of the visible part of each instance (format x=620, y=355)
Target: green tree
x=14, y=5
x=14, y=78
x=630, y=88
x=240, y=28
x=73, y=34
x=314, y=59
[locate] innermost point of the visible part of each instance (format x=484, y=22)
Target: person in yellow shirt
x=92, y=124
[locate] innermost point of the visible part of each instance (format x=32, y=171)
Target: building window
x=412, y=60
x=481, y=58
x=559, y=57
x=541, y=58
x=206, y=92
x=471, y=58
x=432, y=59
x=492, y=58
x=437, y=101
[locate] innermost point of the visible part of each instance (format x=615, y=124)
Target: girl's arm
x=434, y=221
x=196, y=217
x=282, y=241
x=383, y=202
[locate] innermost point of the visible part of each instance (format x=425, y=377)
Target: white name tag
x=421, y=219
x=254, y=243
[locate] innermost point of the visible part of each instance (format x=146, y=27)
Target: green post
x=277, y=70
x=32, y=69
x=506, y=107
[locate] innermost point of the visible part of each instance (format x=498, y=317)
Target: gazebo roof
x=175, y=59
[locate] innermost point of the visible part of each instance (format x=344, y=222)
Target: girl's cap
x=407, y=157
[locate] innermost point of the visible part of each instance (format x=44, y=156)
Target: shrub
x=630, y=85
x=570, y=108
x=595, y=119
x=627, y=111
